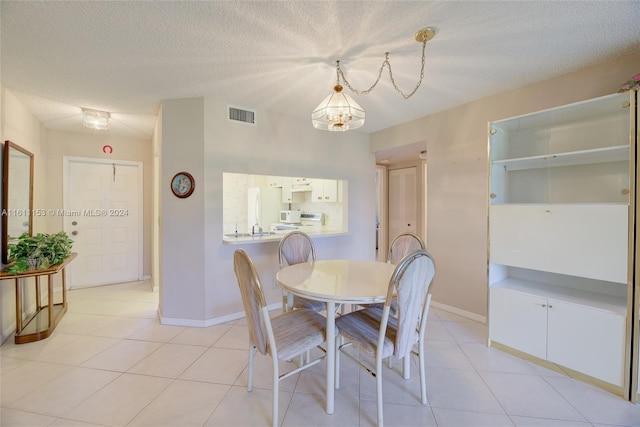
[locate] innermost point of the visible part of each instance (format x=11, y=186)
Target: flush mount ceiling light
x=94, y=119
x=339, y=112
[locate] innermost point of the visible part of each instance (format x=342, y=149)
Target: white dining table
x=336, y=282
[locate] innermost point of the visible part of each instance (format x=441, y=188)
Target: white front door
x=102, y=216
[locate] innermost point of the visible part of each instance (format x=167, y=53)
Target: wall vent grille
x=241, y=115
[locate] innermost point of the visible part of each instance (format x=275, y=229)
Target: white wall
x=198, y=283
x=457, y=173
x=18, y=125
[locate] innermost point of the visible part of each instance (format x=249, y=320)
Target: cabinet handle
x=550, y=306
x=624, y=191
x=544, y=305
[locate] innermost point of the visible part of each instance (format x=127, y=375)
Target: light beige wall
x=457, y=172
x=62, y=144
x=18, y=125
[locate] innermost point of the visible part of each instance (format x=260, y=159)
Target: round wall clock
x=182, y=185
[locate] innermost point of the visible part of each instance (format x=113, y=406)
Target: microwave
x=290, y=217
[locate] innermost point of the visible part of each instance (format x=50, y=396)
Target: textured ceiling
x=125, y=57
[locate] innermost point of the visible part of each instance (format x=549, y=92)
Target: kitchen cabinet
x=561, y=330
x=324, y=190
x=561, y=241
x=288, y=195
x=277, y=181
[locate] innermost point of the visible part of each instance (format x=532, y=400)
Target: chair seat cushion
x=300, y=302
x=361, y=328
x=298, y=331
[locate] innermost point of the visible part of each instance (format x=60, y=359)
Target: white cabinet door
x=324, y=190
x=587, y=240
x=587, y=340
x=403, y=209
x=519, y=321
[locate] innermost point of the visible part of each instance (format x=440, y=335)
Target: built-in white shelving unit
x=561, y=236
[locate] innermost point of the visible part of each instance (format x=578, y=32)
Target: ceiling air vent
x=240, y=115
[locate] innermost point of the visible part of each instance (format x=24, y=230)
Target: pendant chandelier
x=339, y=112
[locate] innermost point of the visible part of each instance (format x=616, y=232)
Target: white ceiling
x=125, y=57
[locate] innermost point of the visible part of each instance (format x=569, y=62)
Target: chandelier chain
x=340, y=74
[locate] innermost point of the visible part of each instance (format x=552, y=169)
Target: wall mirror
x=17, y=195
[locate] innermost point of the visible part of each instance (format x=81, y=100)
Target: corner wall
x=199, y=287
x=457, y=172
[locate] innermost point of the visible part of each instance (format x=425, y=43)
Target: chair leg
x=406, y=366
x=337, y=364
x=379, y=389
x=276, y=392
x=252, y=352
x=423, y=377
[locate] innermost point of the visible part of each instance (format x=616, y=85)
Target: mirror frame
x=8, y=146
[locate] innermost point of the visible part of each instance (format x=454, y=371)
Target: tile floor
x=111, y=363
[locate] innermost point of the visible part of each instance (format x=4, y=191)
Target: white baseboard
x=457, y=311
x=209, y=322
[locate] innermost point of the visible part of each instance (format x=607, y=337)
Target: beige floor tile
x=236, y=337
x=170, y=360
x=122, y=356
x=15, y=418
x=123, y=327
x=157, y=332
x=310, y=410
x=7, y=364
x=37, y=350
x=456, y=418
x=461, y=390
x=241, y=408
x=27, y=378
x=218, y=365
x=63, y=393
x=183, y=403
x=80, y=323
x=395, y=414
x=201, y=336
x=79, y=350
x=529, y=395
x=120, y=401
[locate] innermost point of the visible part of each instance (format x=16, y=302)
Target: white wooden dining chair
x=294, y=248
x=375, y=333
x=282, y=337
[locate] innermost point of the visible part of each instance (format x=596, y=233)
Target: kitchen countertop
x=227, y=240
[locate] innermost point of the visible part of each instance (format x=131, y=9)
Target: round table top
x=341, y=281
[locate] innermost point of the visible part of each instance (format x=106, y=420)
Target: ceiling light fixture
x=339, y=112
x=94, y=119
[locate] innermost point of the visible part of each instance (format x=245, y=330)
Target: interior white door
x=102, y=218
x=402, y=201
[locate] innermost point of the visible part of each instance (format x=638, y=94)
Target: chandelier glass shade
x=338, y=112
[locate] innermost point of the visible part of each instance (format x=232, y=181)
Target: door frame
x=66, y=183
x=383, y=208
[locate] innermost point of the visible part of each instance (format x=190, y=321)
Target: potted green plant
x=38, y=252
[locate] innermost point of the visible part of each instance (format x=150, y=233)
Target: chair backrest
x=295, y=247
x=252, y=298
x=411, y=282
x=402, y=245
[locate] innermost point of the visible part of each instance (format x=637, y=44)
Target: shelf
x=37, y=328
x=571, y=158
x=594, y=300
